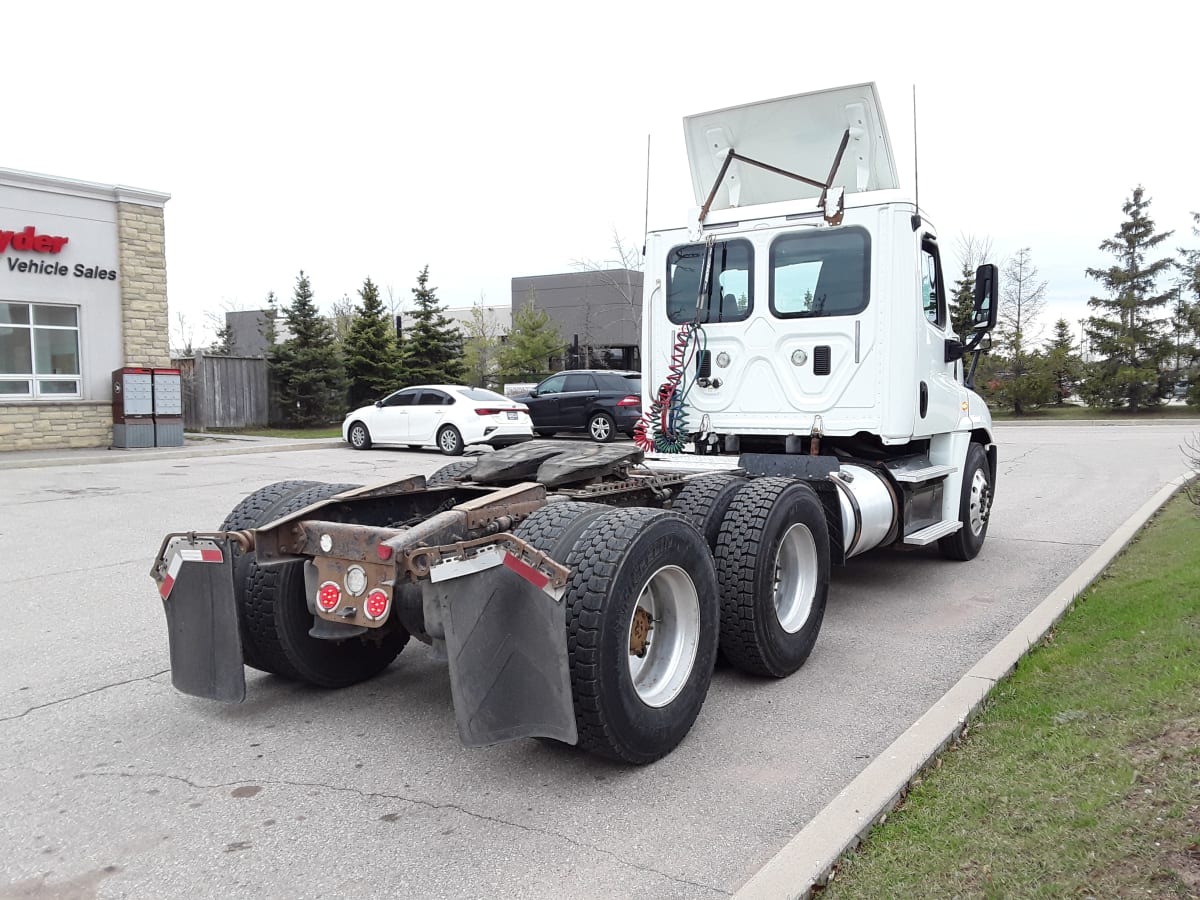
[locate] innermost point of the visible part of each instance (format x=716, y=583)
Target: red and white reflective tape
x=489, y=559
x=526, y=571
x=208, y=553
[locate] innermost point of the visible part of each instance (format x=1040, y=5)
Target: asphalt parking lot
x=116, y=785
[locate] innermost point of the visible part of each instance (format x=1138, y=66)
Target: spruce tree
x=1062, y=362
x=266, y=322
x=1186, y=329
x=433, y=347
x=305, y=369
x=962, y=304
x=1131, y=342
x=371, y=354
x=532, y=340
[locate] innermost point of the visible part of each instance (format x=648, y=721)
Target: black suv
x=601, y=402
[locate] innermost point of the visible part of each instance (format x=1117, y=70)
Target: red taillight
x=485, y=411
x=631, y=400
x=329, y=595
x=523, y=409
x=384, y=551
x=377, y=604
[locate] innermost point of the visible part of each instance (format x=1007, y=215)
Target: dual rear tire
x=641, y=619
x=273, y=614
x=770, y=545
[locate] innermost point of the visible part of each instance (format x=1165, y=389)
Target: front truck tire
x=273, y=611
x=642, y=624
x=974, y=508
x=772, y=561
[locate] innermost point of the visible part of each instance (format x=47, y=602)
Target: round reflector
x=329, y=595
x=356, y=580
x=377, y=604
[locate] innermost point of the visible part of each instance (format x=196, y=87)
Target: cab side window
x=933, y=295
x=552, y=385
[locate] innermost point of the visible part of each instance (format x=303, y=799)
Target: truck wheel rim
x=981, y=501
x=795, y=577
x=670, y=602
x=600, y=429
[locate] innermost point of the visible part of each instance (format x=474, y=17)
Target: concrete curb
x=89, y=458
x=807, y=859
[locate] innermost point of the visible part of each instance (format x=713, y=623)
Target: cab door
x=938, y=393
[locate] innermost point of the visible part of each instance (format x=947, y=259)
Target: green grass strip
x=1081, y=776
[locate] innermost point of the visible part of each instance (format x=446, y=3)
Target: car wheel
x=450, y=441
x=359, y=437
x=601, y=428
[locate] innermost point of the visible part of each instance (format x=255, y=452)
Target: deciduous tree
x=481, y=347
x=1022, y=300
x=973, y=251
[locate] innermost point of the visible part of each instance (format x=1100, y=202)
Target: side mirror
x=533, y=392
x=987, y=305
x=379, y=403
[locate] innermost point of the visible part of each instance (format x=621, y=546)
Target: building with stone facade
x=83, y=292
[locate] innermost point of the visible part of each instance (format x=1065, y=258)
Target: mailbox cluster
x=147, y=408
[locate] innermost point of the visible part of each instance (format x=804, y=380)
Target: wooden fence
x=224, y=392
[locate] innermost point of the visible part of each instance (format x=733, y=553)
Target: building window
x=39, y=351
x=820, y=273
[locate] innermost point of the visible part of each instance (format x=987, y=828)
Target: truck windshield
x=820, y=273
x=730, y=290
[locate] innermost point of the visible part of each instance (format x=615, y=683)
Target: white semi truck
x=806, y=401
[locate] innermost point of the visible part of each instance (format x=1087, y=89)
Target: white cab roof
x=800, y=134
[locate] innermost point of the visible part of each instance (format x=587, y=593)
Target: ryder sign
x=27, y=240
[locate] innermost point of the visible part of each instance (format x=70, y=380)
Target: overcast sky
x=495, y=140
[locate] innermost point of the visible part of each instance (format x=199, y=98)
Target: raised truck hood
x=800, y=134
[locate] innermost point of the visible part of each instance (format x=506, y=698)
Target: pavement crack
x=1009, y=463
x=426, y=804
x=1045, y=541
x=96, y=690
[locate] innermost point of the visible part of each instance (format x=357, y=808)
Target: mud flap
x=506, y=641
x=202, y=620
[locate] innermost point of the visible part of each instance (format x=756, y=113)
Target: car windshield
x=483, y=395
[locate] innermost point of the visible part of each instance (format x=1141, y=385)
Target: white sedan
x=447, y=416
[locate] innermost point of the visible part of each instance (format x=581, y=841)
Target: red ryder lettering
x=28, y=239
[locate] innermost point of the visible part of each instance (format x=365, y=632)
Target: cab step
x=931, y=533
x=923, y=474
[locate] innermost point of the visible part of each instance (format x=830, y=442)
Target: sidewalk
x=194, y=444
